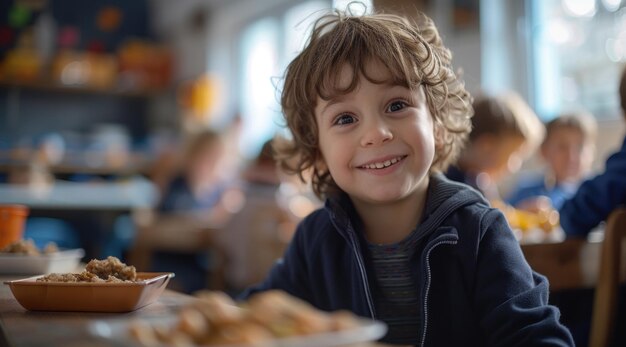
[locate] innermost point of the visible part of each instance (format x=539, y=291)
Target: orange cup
x=12, y=219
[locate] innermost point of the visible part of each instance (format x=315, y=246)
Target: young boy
x=568, y=151
x=504, y=131
x=376, y=112
x=597, y=197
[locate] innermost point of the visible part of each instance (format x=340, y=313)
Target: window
x=259, y=63
x=578, y=52
x=354, y=7
x=266, y=47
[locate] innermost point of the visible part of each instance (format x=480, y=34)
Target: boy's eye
x=396, y=106
x=344, y=119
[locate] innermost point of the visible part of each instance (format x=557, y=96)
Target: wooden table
x=91, y=208
x=97, y=196
x=68, y=329
x=22, y=328
x=570, y=264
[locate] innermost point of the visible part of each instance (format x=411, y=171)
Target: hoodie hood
x=444, y=197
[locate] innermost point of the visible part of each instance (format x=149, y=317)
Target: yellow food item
x=546, y=219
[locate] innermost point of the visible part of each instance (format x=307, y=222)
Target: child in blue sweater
x=568, y=151
x=597, y=197
x=376, y=113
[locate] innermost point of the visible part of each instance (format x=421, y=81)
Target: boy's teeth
x=384, y=164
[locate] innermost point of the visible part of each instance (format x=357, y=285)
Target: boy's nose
x=376, y=133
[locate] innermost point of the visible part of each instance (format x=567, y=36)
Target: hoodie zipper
x=366, y=287
x=428, y=278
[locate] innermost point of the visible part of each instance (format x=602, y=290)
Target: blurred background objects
x=98, y=99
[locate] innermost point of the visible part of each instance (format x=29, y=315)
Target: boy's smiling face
x=378, y=140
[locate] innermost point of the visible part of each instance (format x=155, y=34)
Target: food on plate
x=110, y=269
x=28, y=247
x=545, y=219
x=112, y=266
x=217, y=320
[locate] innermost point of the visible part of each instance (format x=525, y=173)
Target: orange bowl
x=90, y=296
x=12, y=218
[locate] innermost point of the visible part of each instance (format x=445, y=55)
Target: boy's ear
x=439, y=134
x=320, y=164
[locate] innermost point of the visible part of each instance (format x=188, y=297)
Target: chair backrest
x=605, y=297
x=252, y=240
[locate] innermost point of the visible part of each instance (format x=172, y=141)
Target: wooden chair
x=253, y=240
x=605, y=297
x=579, y=263
x=179, y=233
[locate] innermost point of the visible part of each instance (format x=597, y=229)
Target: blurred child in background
x=193, y=199
x=597, y=197
x=504, y=131
x=256, y=236
x=568, y=152
x=199, y=183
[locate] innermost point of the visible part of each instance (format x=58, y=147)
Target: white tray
x=22, y=264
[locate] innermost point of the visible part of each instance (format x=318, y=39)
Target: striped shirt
x=397, y=301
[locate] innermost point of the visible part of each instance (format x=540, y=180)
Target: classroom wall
x=214, y=50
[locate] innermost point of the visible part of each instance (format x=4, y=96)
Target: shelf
x=83, y=89
x=138, y=163
x=85, y=169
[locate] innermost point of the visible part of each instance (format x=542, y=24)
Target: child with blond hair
x=505, y=131
x=376, y=113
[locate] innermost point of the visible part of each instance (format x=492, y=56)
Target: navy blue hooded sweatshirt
x=475, y=287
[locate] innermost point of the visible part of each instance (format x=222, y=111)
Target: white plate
x=22, y=264
x=367, y=330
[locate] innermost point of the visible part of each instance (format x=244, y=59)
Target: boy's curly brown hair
x=413, y=52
